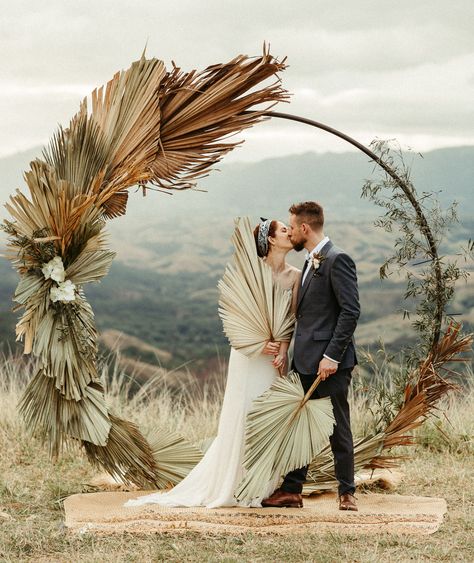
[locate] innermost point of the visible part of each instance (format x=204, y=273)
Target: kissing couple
x=325, y=304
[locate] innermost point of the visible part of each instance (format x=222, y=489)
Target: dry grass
x=32, y=487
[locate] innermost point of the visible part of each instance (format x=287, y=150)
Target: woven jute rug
x=104, y=513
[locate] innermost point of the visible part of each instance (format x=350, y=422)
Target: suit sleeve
x=344, y=284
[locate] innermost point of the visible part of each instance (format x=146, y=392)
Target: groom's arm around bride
x=327, y=313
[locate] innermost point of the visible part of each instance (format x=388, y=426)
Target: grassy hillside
x=171, y=250
x=168, y=298
x=32, y=488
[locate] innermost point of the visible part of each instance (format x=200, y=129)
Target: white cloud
x=16, y=90
x=402, y=69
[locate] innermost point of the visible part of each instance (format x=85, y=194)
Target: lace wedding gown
x=213, y=480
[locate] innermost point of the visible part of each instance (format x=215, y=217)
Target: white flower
x=63, y=292
x=54, y=269
x=316, y=262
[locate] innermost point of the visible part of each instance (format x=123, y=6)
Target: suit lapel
x=309, y=276
x=302, y=289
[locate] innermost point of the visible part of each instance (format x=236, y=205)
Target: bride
x=213, y=480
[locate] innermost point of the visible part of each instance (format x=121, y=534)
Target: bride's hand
x=279, y=362
x=272, y=348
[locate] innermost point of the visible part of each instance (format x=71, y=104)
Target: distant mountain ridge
x=171, y=250
x=269, y=186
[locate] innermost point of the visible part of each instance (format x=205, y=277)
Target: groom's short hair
x=309, y=212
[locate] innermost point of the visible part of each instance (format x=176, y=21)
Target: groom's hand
x=272, y=348
x=326, y=368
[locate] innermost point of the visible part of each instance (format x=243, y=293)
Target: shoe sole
x=294, y=505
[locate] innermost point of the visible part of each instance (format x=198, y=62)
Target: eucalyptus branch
x=397, y=177
x=418, y=240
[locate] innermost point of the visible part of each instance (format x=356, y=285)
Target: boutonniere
x=318, y=259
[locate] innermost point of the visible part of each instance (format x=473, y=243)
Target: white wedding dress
x=213, y=480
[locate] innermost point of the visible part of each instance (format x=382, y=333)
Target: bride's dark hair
x=271, y=233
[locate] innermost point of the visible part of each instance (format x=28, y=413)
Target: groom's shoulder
x=335, y=250
x=338, y=252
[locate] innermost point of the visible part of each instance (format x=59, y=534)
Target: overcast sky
x=380, y=68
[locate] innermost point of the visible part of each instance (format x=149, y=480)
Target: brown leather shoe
x=280, y=499
x=347, y=502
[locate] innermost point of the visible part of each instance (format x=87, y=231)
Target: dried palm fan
x=145, y=125
x=422, y=393
x=175, y=457
x=283, y=431
x=252, y=307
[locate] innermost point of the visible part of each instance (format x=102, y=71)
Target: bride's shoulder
x=293, y=270
x=295, y=273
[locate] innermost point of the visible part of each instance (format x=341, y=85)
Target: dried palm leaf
x=422, y=393
x=29, y=286
x=127, y=456
x=146, y=125
x=252, y=307
x=55, y=208
x=174, y=456
x=200, y=109
x=35, y=310
x=129, y=116
x=90, y=266
x=80, y=153
x=284, y=431
x=46, y=410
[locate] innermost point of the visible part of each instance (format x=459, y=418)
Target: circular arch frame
x=407, y=189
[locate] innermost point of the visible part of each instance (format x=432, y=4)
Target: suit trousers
x=341, y=440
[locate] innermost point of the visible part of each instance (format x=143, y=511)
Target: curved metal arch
x=407, y=190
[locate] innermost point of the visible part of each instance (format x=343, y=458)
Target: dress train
x=212, y=482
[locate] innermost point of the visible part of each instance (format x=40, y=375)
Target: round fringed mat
x=104, y=513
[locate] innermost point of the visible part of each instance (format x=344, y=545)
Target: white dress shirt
x=315, y=250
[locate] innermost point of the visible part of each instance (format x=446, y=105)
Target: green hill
x=171, y=251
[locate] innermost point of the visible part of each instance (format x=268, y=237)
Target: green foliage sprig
x=420, y=224
x=31, y=251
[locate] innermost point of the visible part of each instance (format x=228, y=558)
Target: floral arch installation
x=164, y=128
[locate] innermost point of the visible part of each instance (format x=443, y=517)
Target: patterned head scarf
x=263, y=230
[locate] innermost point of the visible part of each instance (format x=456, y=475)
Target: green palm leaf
x=284, y=431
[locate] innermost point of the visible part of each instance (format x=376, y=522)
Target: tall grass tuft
x=192, y=408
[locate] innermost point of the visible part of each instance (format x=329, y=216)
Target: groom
x=327, y=313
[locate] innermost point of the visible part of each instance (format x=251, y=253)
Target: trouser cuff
x=345, y=490
x=294, y=489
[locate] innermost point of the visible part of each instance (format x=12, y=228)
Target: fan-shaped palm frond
x=200, y=109
x=127, y=456
x=284, y=431
x=175, y=457
x=252, y=307
x=145, y=125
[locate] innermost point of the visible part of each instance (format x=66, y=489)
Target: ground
x=32, y=489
